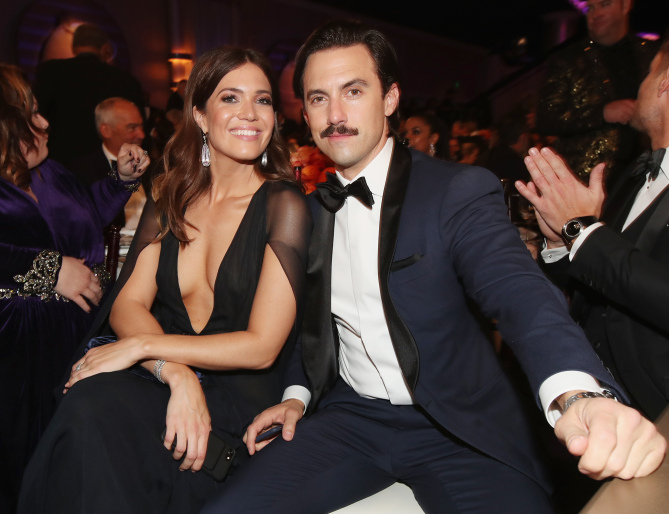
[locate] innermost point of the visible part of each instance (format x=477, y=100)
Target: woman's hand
x=188, y=418
x=76, y=282
x=132, y=162
x=106, y=358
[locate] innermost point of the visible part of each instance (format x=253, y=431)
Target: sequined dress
x=581, y=80
x=38, y=337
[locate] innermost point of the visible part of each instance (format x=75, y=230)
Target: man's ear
x=201, y=120
x=664, y=83
x=305, y=115
x=627, y=6
x=392, y=99
x=105, y=131
x=107, y=53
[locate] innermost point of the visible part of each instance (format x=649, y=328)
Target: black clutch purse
x=219, y=458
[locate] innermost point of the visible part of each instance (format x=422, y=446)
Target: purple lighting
x=582, y=5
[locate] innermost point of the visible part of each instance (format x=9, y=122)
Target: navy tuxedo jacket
x=445, y=236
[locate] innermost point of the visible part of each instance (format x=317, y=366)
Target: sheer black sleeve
x=147, y=230
x=289, y=227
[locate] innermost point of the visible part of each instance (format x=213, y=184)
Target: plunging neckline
x=220, y=266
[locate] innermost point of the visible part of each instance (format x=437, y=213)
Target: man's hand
x=287, y=413
x=557, y=194
x=619, y=111
x=612, y=440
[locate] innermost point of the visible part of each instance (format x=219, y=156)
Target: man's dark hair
x=343, y=34
x=87, y=34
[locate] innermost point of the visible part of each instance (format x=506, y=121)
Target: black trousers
x=353, y=447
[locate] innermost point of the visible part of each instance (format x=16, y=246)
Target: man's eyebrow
x=355, y=82
x=316, y=92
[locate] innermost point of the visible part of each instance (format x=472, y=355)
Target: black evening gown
x=102, y=452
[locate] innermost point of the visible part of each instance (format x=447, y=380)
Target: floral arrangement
x=312, y=165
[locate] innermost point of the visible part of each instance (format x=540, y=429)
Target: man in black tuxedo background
x=619, y=266
x=117, y=121
x=400, y=382
x=67, y=91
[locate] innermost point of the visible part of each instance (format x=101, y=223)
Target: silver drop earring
x=432, y=150
x=263, y=159
x=205, y=156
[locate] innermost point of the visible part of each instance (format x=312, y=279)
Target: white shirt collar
x=110, y=156
x=375, y=172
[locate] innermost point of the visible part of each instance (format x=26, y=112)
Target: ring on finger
x=78, y=368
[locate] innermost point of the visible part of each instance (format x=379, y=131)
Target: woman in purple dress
x=51, y=263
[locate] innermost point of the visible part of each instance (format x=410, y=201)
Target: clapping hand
x=557, y=194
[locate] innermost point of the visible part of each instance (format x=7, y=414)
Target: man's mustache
x=342, y=130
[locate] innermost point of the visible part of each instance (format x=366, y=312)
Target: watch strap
x=588, y=394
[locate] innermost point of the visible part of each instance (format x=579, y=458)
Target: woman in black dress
x=210, y=309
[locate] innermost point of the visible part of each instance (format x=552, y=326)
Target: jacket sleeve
x=614, y=268
x=499, y=274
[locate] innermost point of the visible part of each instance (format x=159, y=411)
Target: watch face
x=572, y=228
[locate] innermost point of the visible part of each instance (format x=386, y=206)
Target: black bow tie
x=333, y=195
x=649, y=163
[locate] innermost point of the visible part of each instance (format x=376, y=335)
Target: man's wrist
x=574, y=227
x=297, y=392
x=568, y=399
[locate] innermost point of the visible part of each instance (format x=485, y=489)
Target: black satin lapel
x=622, y=199
x=391, y=211
x=318, y=345
x=658, y=220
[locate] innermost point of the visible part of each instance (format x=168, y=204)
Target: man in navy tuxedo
x=399, y=381
x=619, y=266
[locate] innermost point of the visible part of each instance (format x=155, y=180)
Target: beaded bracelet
x=157, y=368
x=130, y=185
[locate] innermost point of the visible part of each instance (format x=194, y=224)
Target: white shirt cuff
x=553, y=254
x=299, y=393
x=560, y=383
x=579, y=240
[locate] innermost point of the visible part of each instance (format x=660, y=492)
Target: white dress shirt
x=367, y=359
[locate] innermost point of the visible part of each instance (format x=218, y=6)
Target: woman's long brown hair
x=17, y=129
x=185, y=179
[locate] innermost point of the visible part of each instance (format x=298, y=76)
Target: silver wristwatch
x=575, y=226
x=588, y=394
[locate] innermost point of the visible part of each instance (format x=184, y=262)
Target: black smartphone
x=272, y=432
x=218, y=459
